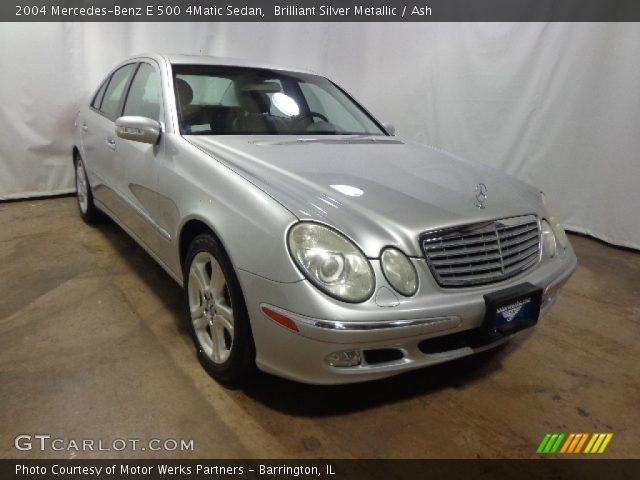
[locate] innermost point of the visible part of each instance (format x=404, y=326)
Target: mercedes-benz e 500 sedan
x=309, y=240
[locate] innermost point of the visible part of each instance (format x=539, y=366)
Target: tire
x=88, y=211
x=218, y=318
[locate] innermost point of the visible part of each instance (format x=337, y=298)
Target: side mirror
x=138, y=129
x=391, y=129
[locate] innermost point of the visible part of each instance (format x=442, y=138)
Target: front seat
x=257, y=116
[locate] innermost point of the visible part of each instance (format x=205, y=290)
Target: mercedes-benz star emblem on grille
x=481, y=195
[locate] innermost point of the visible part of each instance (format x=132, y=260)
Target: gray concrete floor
x=92, y=346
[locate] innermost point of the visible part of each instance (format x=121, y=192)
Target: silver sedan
x=310, y=241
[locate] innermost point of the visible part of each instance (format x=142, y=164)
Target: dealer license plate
x=512, y=309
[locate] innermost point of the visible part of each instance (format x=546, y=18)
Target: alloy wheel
x=81, y=187
x=210, y=307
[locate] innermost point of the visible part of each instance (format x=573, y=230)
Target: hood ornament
x=481, y=195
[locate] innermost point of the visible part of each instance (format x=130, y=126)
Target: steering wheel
x=309, y=115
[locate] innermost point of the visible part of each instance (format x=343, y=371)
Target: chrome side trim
x=361, y=326
x=337, y=325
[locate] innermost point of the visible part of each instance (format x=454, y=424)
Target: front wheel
x=219, y=323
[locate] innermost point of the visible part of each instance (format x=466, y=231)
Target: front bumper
x=383, y=323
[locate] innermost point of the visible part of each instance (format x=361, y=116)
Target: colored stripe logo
x=574, y=443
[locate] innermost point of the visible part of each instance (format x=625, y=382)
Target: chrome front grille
x=482, y=253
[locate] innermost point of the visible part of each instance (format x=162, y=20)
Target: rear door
x=99, y=138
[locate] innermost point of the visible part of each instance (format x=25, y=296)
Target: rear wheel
x=219, y=323
x=88, y=210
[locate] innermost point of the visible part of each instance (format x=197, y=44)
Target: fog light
x=346, y=358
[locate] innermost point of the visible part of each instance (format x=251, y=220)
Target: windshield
x=218, y=100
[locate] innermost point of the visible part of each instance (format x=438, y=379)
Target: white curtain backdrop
x=557, y=105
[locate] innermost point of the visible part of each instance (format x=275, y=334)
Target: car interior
x=248, y=110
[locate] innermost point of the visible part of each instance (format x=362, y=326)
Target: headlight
x=561, y=236
x=548, y=239
x=332, y=262
x=399, y=271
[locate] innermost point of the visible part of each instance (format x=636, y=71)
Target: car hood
x=379, y=191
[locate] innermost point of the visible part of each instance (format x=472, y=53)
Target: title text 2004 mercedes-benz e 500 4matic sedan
x=309, y=240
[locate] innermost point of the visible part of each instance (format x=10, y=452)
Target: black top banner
x=320, y=11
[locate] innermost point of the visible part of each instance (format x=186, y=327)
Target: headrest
x=184, y=91
x=255, y=102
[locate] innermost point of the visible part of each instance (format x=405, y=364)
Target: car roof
x=183, y=59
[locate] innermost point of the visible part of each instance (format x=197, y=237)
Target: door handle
x=85, y=128
x=111, y=143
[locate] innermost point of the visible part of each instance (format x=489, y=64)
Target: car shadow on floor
x=166, y=289
x=300, y=399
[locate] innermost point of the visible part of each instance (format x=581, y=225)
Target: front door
x=140, y=163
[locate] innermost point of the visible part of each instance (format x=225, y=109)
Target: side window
x=144, y=95
x=97, y=100
x=112, y=96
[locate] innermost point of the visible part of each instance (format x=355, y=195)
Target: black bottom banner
x=312, y=469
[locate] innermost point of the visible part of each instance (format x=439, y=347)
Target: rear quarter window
x=97, y=99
